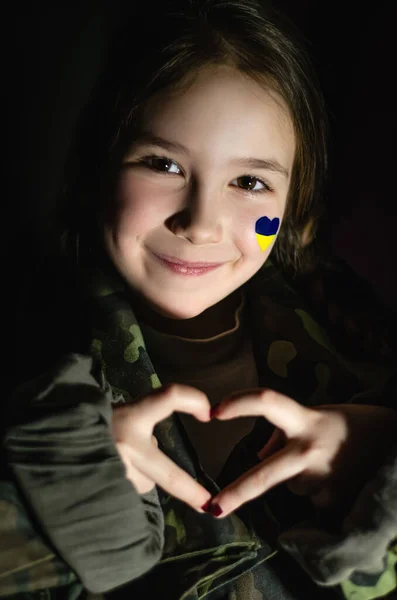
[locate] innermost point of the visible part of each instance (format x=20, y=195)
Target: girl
x=214, y=157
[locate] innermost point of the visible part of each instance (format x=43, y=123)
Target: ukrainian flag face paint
x=265, y=231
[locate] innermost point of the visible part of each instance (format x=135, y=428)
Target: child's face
x=191, y=202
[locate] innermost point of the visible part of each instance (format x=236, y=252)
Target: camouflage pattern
x=27, y=563
x=229, y=559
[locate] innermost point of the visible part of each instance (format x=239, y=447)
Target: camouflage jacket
x=234, y=558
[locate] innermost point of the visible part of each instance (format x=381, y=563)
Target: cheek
x=138, y=206
x=256, y=235
x=266, y=230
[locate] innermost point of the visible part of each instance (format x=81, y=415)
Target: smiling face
x=210, y=162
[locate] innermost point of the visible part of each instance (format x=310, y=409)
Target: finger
x=141, y=482
x=287, y=463
x=174, y=398
x=274, y=443
x=171, y=478
x=283, y=412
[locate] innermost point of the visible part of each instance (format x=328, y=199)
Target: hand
x=146, y=465
x=327, y=453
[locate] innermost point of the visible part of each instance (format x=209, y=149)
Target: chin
x=178, y=313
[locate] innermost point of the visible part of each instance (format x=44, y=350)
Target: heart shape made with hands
x=316, y=451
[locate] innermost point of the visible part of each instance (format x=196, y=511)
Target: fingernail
x=206, y=506
x=214, y=410
x=216, y=510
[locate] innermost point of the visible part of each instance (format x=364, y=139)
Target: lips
x=186, y=268
x=189, y=265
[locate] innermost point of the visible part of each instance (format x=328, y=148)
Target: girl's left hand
x=326, y=453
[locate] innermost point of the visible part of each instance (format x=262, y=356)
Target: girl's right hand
x=146, y=465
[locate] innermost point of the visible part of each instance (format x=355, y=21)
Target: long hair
x=159, y=51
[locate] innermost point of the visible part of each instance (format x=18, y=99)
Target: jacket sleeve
x=70, y=515
x=362, y=558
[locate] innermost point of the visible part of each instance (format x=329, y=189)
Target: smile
x=186, y=268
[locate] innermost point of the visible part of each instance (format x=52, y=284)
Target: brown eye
x=250, y=184
x=160, y=164
x=164, y=165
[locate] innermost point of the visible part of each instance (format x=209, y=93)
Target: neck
x=214, y=320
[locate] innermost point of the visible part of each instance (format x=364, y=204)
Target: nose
x=200, y=221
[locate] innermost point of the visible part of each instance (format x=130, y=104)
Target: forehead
x=224, y=112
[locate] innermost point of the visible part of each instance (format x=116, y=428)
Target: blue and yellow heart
x=265, y=231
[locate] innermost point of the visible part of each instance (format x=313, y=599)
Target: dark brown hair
x=157, y=52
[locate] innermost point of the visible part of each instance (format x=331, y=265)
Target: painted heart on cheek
x=265, y=231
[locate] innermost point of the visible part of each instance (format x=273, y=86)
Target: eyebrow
x=253, y=163
x=260, y=163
